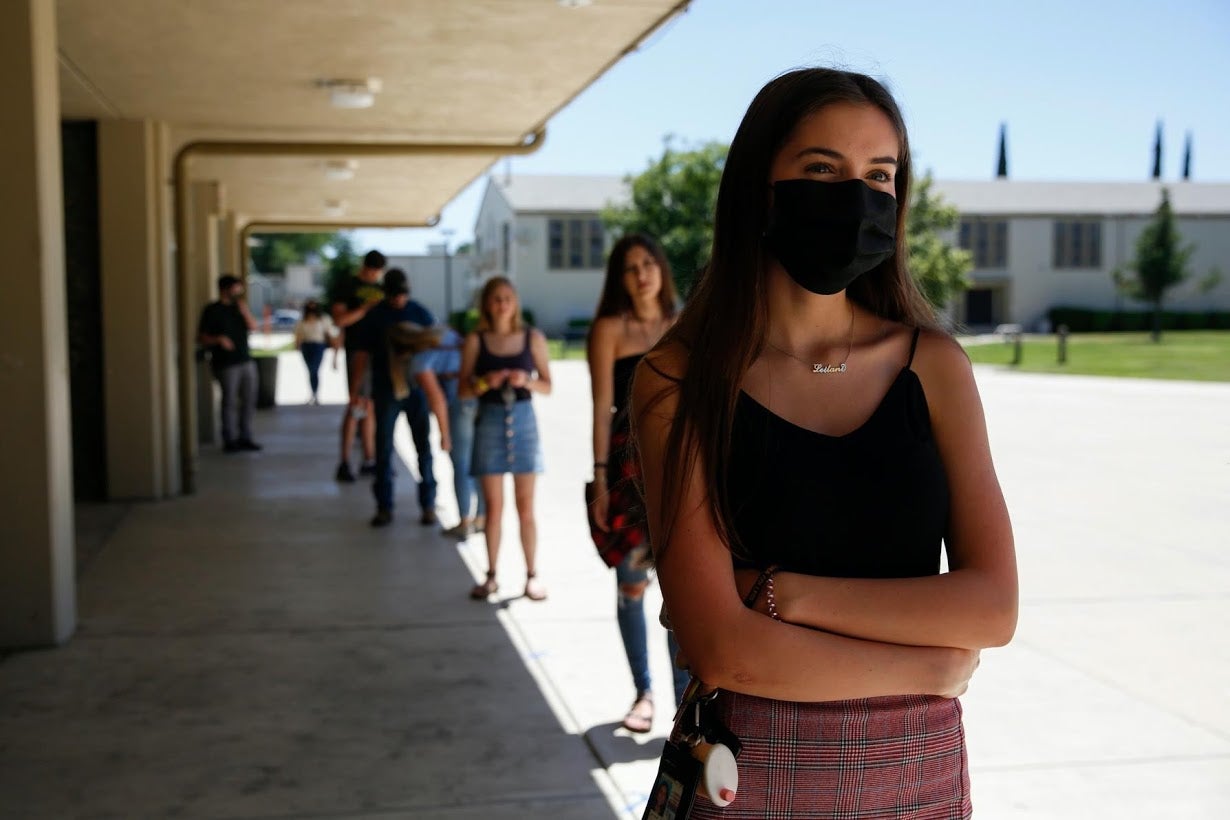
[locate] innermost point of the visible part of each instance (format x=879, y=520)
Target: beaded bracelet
x=771, y=599
x=765, y=576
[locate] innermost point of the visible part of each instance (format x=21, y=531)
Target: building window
x=505, y=246
x=1078, y=244
x=987, y=240
x=575, y=243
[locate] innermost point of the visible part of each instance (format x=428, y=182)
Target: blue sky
x=1081, y=85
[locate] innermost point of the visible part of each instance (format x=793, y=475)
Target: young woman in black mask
x=802, y=475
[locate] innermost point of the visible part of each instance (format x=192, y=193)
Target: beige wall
x=37, y=583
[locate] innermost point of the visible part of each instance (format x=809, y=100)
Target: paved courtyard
x=256, y=651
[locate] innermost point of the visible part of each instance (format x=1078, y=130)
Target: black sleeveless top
x=625, y=368
x=869, y=504
x=488, y=362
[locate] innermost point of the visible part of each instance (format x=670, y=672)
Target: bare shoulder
x=938, y=350
x=605, y=329
x=607, y=324
x=944, y=369
x=658, y=375
x=537, y=336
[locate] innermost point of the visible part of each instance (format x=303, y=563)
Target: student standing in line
x=810, y=441
x=223, y=329
x=313, y=333
x=445, y=362
x=636, y=307
x=503, y=364
x=386, y=342
x=358, y=295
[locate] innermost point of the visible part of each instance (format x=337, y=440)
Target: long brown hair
x=722, y=326
x=485, y=322
x=615, y=299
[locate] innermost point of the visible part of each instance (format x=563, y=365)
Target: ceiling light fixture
x=341, y=169
x=352, y=93
x=335, y=207
x=574, y=4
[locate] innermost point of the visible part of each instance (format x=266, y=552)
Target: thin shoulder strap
x=913, y=347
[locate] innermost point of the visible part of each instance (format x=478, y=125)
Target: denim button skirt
x=506, y=440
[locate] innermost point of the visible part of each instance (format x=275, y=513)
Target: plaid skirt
x=899, y=757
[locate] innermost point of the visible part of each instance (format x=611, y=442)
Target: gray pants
x=238, y=398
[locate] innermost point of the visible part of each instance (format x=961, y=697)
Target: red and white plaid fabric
x=871, y=759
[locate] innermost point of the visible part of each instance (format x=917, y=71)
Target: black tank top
x=488, y=362
x=869, y=504
x=625, y=368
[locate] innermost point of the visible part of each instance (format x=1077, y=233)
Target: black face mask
x=827, y=234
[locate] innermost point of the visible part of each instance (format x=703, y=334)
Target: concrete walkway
x=256, y=651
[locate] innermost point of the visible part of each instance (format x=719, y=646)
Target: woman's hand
x=518, y=378
x=496, y=378
x=956, y=667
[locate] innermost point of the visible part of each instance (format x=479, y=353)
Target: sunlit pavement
x=257, y=651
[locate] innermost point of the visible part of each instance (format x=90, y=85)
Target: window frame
x=575, y=242
x=987, y=241
x=1076, y=243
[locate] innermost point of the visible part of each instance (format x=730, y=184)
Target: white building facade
x=1039, y=245
x=1036, y=245
x=441, y=280
x=544, y=233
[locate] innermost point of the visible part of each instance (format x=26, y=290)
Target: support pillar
x=138, y=337
x=37, y=572
x=201, y=286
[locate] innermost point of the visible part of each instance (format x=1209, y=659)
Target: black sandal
x=486, y=589
x=639, y=719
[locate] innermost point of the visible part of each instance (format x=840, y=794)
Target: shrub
x=1087, y=320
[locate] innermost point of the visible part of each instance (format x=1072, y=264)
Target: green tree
x=673, y=201
x=341, y=266
x=941, y=270
x=1160, y=262
x=272, y=252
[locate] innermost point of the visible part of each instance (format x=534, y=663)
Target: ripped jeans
x=630, y=612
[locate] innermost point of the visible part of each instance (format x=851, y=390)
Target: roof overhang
x=461, y=84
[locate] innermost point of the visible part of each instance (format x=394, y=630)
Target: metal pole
x=448, y=275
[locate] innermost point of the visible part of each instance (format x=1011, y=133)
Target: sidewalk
x=256, y=651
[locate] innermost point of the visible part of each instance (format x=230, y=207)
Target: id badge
x=674, y=789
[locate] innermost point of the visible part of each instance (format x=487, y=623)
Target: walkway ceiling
x=455, y=72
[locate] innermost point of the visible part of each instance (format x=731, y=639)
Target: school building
x=1036, y=245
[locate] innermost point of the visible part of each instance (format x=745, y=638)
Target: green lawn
x=558, y=349
x=1196, y=355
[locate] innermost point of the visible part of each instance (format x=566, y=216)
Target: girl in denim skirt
x=503, y=363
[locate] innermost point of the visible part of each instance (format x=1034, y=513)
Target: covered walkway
x=256, y=651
